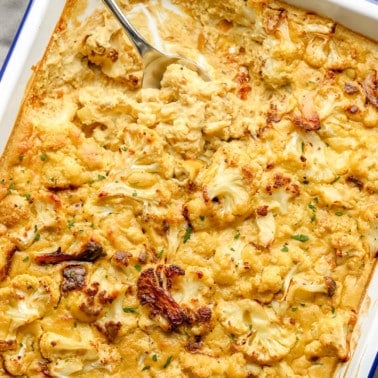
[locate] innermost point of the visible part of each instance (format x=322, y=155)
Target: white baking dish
x=31, y=40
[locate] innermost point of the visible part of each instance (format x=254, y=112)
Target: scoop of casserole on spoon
x=154, y=61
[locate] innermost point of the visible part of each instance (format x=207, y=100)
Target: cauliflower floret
x=229, y=257
x=26, y=299
x=267, y=229
x=228, y=188
x=22, y=360
x=118, y=319
x=371, y=238
x=302, y=288
x=192, y=289
x=95, y=295
x=227, y=184
x=330, y=336
x=260, y=334
x=80, y=353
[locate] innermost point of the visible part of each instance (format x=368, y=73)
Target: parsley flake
x=188, y=233
x=300, y=237
x=285, y=248
x=167, y=362
x=130, y=310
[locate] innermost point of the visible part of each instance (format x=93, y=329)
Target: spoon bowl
x=154, y=61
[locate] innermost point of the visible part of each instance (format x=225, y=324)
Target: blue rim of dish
x=374, y=367
x=15, y=38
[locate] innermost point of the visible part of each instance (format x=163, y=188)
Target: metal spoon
x=154, y=61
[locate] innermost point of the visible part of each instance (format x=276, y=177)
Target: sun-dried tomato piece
x=90, y=252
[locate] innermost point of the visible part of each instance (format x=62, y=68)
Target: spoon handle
x=139, y=42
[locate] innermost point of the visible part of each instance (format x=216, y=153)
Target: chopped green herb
x=303, y=304
x=147, y=367
x=130, y=310
x=237, y=235
x=12, y=186
x=135, y=193
x=124, y=148
x=37, y=237
x=303, y=147
x=318, y=363
x=138, y=267
x=167, y=362
x=285, y=248
x=27, y=196
x=154, y=357
x=202, y=217
x=70, y=223
x=339, y=213
x=43, y=156
x=333, y=309
x=232, y=249
x=335, y=180
x=25, y=259
x=20, y=157
x=161, y=252
x=101, y=177
x=312, y=207
x=188, y=233
x=300, y=237
x=294, y=309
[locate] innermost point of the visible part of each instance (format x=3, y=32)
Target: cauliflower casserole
x=204, y=229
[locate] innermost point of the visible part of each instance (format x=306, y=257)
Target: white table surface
x=11, y=12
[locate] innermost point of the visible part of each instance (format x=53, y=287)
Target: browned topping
x=243, y=78
x=8, y=345
x=90, y=252
x=353, y=109
x=309, y=119
x=331, y=285
x=73, y=277
x=262, y=210
x=370, y=85
x=171, y=272
x=248, y=173
x=121, y=258
x=350, y=88
x=112, y=54
x=224, y=25
x=203, y=314
x=195, y=345
x=6, y=260
x=110, y=329
x=274, y=18
x=44, y=370
x=308, y=122
x=154, y=291
x=356, y=181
